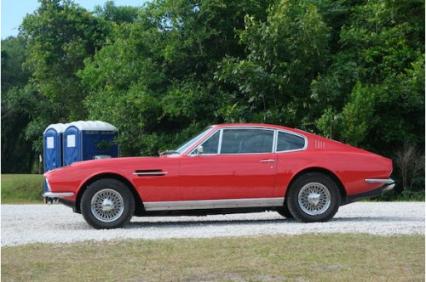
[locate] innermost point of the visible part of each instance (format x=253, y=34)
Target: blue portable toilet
x=52, y=146
x=87, y=140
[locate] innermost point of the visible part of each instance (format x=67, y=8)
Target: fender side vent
x=150, y=172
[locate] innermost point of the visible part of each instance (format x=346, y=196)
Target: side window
x=210, y=146
x=244, y=141
x=287, y=141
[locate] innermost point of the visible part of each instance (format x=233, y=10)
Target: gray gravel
x=24, y=224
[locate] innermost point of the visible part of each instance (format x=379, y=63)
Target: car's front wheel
x=107, y=203
x=283, y=211
x=313, y=197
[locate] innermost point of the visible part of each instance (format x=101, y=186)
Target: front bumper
x=387, y=185
x=53, y=197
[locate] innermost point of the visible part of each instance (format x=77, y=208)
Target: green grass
x=21, y=188
x=336, y=257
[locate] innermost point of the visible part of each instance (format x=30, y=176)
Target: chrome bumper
x=384, y=186
x=53, y=197
x=388, y=183
x=58, y=195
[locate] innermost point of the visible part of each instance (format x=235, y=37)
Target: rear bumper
x=387, y=185
x=389, y=182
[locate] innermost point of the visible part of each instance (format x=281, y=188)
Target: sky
x=14, y=11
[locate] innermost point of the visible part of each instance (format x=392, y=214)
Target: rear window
x=288, y=142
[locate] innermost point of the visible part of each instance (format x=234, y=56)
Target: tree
x=285, y=53
x=153, y=78
x=16, y=150
x=59, y=36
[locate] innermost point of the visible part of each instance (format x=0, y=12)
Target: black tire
x=283, y=211
x=315, y=179
x=114, y=188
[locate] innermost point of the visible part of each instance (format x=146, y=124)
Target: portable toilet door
x=52, y=146
x=81, y=140
x=72, y=151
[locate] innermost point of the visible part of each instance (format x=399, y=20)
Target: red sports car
x=227, y=168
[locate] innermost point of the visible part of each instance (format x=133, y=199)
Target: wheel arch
x=325, y=171
x=138, y=201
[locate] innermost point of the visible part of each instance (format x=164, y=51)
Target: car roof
x=262, y=125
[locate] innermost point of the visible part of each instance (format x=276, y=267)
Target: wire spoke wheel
x=314, y=198
x=107, y=205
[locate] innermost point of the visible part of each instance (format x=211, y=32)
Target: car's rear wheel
x=107, y=203
x=313, y=197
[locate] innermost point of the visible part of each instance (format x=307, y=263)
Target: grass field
x=21, y=188
x=268, y=258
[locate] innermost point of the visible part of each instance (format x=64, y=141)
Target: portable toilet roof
x=96, y=125
x=59, y=127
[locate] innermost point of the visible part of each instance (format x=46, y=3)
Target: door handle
x=267, y=161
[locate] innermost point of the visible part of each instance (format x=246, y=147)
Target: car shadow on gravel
x=188, y=223
x=195, y=223
x=376, y=218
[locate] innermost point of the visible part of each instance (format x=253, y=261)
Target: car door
x=237, y=164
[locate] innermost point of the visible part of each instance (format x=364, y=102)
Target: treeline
x=350, y=70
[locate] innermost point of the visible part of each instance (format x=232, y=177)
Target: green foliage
x=285, y=53
x=349, y=70
x=59, y=36
x=16, y=151
x=120, y=14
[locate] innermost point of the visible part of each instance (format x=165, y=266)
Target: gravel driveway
x=23, y=224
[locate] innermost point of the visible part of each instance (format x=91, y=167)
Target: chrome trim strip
x=48, y=185
x=389, y=187
x=153, y=173
x=200, y=141
x=58, y=195
x=213, y=204
x=275, y=142
x=220, y=142
x=380, y=180
x=219, y=147
x=274, y=145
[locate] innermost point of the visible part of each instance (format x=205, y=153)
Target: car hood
x=117, y=163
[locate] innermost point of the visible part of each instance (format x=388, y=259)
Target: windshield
x=191, y=142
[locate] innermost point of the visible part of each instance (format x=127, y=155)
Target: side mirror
x=199, y=150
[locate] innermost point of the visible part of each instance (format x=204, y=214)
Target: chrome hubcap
x=107, y=205
x=314, y=198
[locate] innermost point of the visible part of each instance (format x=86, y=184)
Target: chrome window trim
x=207, y=137
x=219, y=147
x=292, y=133
x=206, y=131
x=190, y=150
x=274, y=143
